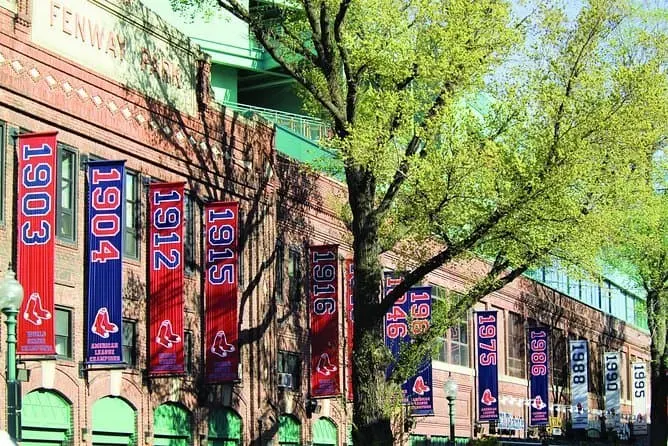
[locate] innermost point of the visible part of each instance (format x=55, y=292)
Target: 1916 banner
x=323, y=308
x=488, y=372
x=538, y=376
x=350, y=324
x=221, y=263
x=36, y=223
x=579, y=383
x=166, y=278
x=106, y=223
x=414, y=307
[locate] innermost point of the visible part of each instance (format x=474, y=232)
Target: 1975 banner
x=324, y=305
x=488, y=372
x=220, y=289
x=166, y=278
x=106, y=202
x=36, y=223
x=538, y=373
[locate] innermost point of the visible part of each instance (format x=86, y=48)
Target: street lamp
x=451, y=395
x=11, y=295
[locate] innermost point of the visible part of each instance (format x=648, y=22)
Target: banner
x=413, y=307
x=579, y=383
x=349, y=273
x=612, y=385
x=165, y=253
x=323, y=309
x=106, y=223
x=488, y=372
x=639, y=398
x=36, y=224
x=220, y=290
x=538, y=376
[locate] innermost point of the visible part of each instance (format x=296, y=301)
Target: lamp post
x=451, y=395
x=11, y=295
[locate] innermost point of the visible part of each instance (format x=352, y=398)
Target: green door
x=171, y=425
x=325, y=433
x=225, y=428
x=46, y=419
x=114, y=422
x=289, y=431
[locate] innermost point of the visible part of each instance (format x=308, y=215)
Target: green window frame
x=66, y=214
x=63, y=332
x=132, y=212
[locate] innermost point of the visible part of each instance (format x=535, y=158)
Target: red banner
x=166, y=278
x=222, y=325
x=324, y=284
x=36, y=224
x=350, y=324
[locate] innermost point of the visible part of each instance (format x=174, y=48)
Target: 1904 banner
x=488, y=372
x=538, y=376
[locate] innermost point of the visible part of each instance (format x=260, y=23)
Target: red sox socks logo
x=538, y=403
x=166, y=336
x=420, y=387
x=325, y=367
x=487, y=398
x=220, y=347
x=101, y=325
x=35, y=313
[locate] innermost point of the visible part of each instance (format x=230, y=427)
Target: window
x=130, y=342
x=295, y=275
x=67, y=193
x=189, y=238
x=188, y=350
x=290, y=362
x=63, y=333
x=3, y=149
x=454, y=346
x=558, y=351
x=516, y=348
x=132, y=202
x=280, y=264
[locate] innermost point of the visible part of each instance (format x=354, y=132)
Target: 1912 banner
x=488, y=372
x=166, y=278
x=579, y=383
x=36, y=223
x=413, y=307
x=220, y=289
x=350, y=324
x=106, y=223
x=538, y=376
x=323, y=308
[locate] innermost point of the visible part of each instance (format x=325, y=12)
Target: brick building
x=117, y=82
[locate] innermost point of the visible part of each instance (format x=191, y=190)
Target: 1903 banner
x=36, y=223
x=538, y=373
x=488, y=372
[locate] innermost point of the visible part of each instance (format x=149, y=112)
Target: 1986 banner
x=36, y=223
x=324, y=304
x=106, y=201
x=488, y=372
x=350, y=324
x=538, y=373
x=166, y=278
x=220, y=289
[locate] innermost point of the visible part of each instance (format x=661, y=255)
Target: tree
x=465, y=129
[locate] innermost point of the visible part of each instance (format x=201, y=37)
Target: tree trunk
x=656, y=319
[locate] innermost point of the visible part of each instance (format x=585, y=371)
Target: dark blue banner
x=488, y=371
x=538, y=370
x=106, y=223
x=414, y=307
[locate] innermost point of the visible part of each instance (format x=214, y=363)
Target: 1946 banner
x=221, y=262
x=579, y=383
x=36, y=223
x=324, y=304
x=413, y=307
x=106, y=222
x=538, y=373
x=488, y=372
x=350, y=324
x=166, y=278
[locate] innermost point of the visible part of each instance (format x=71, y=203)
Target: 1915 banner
x=538, y=376
x=220, y=289
x=106, y=223
x=323, y=309
x=488, y=372
x=639, y=397
x=579, y=383
x=413, y=307
x=613, y=386
x=165, y=252
x=36, y=223
x=350, y=324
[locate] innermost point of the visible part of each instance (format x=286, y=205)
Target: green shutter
x=324, y=432
x=171, y=425
x=114, y=422
x=289, y=431
x=225, y=427
x=45, y=417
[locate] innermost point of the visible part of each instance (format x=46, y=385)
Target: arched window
x=325, y=433
x=114, y=422
x=46, y=417
x=171, y=425
x=225, y=428
x=289, y=431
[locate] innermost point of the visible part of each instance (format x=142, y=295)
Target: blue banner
x=488, y=371
x=538, y=376
x=414, y=307
x=106, y=225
